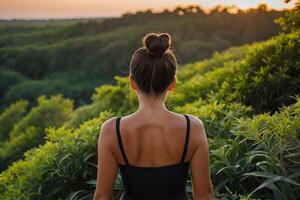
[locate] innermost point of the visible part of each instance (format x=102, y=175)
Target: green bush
x=218, y=117
x=10, y=116
x=264, y=79
x=274, y=143
x=118, y=98
x=271, y=72
x=201, y=85
x=263, y=157
x=291, y=20
x=32, y=89
x=29, y=131
x=218, y=60
x=65, y=163
x=9, y=78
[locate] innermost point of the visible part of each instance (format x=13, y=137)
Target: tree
x=291, y=20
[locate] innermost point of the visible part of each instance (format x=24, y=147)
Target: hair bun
x=157, y=44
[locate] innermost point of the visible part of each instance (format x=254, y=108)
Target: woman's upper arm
x=107, y=165
x=201, y=182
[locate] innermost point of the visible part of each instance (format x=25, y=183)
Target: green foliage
x=122, y=100
x=10, y=116
x=32, y=89
x=263, y=157
x=66, y=162
x=201, y=85
x=274, y=148
x=270, y=73
x=238, y=94
x=217, y=116
x=82, y=114
x=118, y=98
x=218, y=60
x=264, y=77
x=28, y=132
x=291, y=20
x=8, y=78
x=50, y=54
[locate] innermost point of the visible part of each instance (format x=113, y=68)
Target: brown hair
x=153, y=66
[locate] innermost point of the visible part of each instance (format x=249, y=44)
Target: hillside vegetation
x=247, y=98
x=72, y=58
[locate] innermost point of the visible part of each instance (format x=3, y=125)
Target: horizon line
x=206, y=9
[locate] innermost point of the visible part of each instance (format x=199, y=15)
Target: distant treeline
x=44, y=22
x=73, y=59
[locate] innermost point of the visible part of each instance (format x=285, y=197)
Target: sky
x=33, y=9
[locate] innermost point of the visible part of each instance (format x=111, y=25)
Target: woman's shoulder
x=196, y=123
x=107, y=130
x=109, y=123
x=195, y=120
x=197, y=130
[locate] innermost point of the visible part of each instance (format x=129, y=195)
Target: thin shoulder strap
x=120, y=139
x=187, y=136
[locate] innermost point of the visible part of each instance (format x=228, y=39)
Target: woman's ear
x=132, y=82
x=172, y=84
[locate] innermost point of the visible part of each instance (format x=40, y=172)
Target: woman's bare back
x=153, y=141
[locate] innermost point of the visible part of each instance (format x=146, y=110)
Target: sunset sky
x=97, y=8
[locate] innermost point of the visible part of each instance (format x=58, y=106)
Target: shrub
x=65, y=163
x=291, y=20
x=32, y=89
x=274, y=143
x=29, y=131
x=118, y=98
x=217, y=117
x=263, y=157
x=9, y=78
x=11, y=116
x=270, y=73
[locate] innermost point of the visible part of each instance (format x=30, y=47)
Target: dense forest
x=247, y=97
x=74, y=57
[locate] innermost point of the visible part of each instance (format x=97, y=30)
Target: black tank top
x=154, y=183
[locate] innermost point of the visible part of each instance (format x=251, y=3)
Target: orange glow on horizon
x=98, y=8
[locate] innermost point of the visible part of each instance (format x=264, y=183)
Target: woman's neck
x=151, y=104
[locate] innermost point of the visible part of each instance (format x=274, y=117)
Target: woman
x=153, y=147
